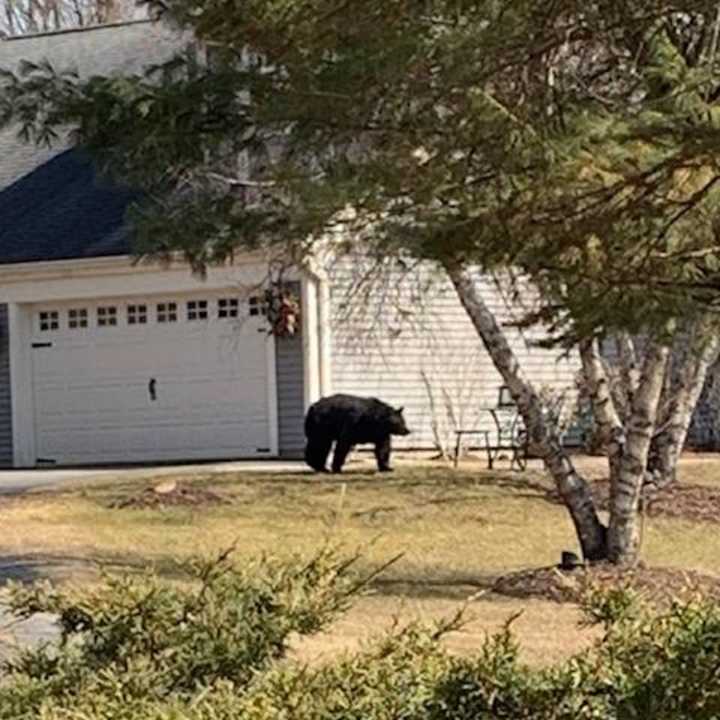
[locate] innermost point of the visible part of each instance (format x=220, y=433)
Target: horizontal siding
x=6, y=450
x=405, y=337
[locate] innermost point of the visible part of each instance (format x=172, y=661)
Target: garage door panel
x=93, y=400
x=71, y=400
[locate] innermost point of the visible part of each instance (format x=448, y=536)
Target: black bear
x=348, y=420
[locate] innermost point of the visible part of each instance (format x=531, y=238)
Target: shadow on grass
x=450, y=588
x=34, y=567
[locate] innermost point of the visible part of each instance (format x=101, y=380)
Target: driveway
x=16, y=482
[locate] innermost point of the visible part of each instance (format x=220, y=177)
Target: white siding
x=404, y=337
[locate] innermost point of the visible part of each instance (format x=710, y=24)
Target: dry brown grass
x=456, y=530
x=549, y=632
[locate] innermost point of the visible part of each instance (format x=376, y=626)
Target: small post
x=569, y=561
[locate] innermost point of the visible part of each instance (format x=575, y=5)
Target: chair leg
x=492, y=457
x=457, y=451
x=520, y=457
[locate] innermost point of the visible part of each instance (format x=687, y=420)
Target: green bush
x=215, y=649
x=144, y=640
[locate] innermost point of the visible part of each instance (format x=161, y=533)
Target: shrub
x=146, y=649
x=142, y=639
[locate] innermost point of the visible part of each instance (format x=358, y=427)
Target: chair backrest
x=505, y=398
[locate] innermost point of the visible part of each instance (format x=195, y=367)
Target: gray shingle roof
x=52, y=206
x=61, y=211
x=106, y=50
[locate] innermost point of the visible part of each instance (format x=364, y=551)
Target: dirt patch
x=171, y=495
x=697, y=503
x=658, y=585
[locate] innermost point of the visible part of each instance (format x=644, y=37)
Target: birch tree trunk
x=543, y=437
x=608, y=423
x=627, y=475
x=684, y=392
x=629, y=372
x=626, y=438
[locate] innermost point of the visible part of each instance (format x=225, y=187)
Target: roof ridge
x=67, y=31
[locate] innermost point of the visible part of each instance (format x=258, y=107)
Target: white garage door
x=152, y=378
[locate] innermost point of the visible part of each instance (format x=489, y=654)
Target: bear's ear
x=399, y=410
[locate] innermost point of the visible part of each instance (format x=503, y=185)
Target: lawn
x=454, y=533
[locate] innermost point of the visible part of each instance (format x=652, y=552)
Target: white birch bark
x=679, y=405
x=627, y=475
x=629, y=375
x=608, y=422
x=543, y=438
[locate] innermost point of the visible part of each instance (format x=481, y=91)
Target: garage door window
x=107, y=316
x=257, y=306
x=49, y=320
x=137, y=314
x=228, y=307
x=77, y=318
x=197, y=310
x=167, y=312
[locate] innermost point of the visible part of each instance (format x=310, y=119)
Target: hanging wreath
x=283, y=312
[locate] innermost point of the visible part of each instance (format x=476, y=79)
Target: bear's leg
x=316, y=453
x=342, y=449
x=382, y=454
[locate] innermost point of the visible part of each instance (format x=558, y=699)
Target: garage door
x=152, y=378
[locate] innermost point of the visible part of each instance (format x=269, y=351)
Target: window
x=228, y=307
x=137, y=314
x=107, y=316
x=197, y=310
x=77, y=318
x=257, y=306
x=167, y=312
x=49, y=320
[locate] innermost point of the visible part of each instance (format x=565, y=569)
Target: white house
x=103, y=360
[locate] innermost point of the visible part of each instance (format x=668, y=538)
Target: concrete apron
x=16, y=635
x=16, y=482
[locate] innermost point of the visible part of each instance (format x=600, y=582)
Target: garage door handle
x=151, y=389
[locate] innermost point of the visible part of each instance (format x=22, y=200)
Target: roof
x=63, y=210
x=68, y=30
x=110, y=50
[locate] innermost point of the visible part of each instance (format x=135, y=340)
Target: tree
x=569, y=144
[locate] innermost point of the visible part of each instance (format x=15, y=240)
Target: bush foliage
x=216, y=649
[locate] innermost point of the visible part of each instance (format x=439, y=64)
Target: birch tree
x=573, y=144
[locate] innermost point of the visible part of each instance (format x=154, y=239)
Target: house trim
x=311, y=383
x=121, y=275
x=321, y=329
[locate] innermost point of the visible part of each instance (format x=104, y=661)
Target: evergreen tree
x=571, y=143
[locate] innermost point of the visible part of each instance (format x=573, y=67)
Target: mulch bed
x=698, y=503
x=658, y=585
x=176, y=497
x=687, y=502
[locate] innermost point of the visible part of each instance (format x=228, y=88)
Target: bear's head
x=397, y=423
